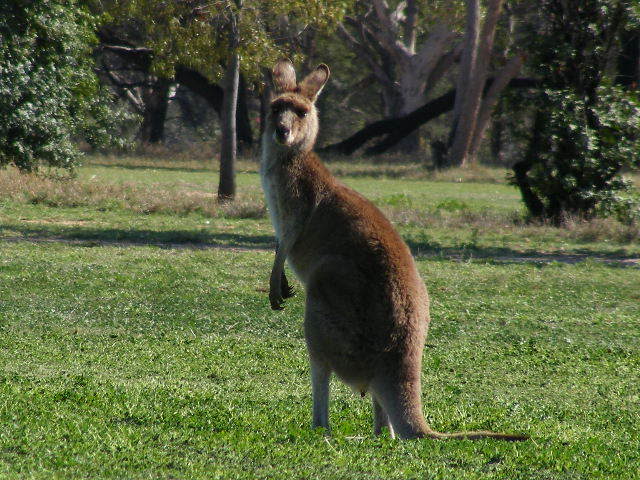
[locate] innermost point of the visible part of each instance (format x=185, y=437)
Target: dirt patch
x=570, y=259
x=66, y=223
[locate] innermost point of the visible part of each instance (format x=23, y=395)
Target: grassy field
x=136, y=339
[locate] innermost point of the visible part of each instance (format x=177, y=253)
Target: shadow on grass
x=177, y=168
x=88, y=236
x=202, y=239
x=424, y=247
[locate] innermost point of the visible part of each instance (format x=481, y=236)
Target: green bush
x=586, y=129
x=49, y=93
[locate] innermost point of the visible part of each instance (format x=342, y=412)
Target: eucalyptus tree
x=473, y=106
x=221, y=40
x=408, y=46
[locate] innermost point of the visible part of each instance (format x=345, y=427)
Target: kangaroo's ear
x=284, y=76
x=312, y=85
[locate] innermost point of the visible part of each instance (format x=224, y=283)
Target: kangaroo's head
x=292, y=119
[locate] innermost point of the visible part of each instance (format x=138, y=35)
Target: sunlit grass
x=143, y=362
x=136, y=338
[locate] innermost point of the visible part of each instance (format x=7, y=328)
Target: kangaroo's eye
x=301, y=113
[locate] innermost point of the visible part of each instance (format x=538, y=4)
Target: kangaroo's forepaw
x=276, y=301
x=288, y=291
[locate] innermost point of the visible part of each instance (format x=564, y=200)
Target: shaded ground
x=265, y=244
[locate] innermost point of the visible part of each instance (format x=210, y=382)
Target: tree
x=128, y=69
x=224, y=40
x=407, y=68
x=585, y=129
x=228, y=146
x=48, y=90
x=406, y=57
x=396, y=129
x=472, y=110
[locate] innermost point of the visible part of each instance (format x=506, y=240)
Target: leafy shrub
x=586, y=129
x=49, y=92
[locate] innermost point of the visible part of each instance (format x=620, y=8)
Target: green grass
x=461, y=217
x=160, y=358
x=144, y=362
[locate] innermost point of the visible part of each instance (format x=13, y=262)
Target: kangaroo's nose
x=282, y=131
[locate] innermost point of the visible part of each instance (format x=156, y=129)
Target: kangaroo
x=367, y=309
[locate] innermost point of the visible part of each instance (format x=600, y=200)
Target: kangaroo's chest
x=276, y=185
x=270, y=186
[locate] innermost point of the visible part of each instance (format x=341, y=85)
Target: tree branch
x=502, y=78
x=127, y=92
x=199, y=84
x=377, y=70
x=386, y=34
x=399, y=128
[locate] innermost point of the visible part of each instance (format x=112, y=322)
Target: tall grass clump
x=55, y=190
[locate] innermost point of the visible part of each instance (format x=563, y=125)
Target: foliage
x=48, y=90
x=194, y=33
x=586, y=130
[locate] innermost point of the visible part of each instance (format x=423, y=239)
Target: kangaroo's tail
x=476, y=435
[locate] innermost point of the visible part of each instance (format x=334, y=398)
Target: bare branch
x=387, y=34
x=129, y=50
x=126, y=92
x=502, y=79
x=377, y=70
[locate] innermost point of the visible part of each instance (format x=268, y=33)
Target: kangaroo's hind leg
x=399, y=396
x=380, y=419
x=320, y=375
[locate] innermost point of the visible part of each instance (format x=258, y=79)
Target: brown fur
x=367, y=309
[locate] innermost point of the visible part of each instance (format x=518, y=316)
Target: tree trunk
x=156, y=101
x=243, y=122
x=228, y=145
x=475, y=62
x=410, y=97
x=229, y=140
x=488, y=103
x=521, y=169
x=469, y=54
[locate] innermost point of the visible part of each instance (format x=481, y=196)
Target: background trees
x=210, y=47
x=48, y=91
x=585, y=128
x=429, y=77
